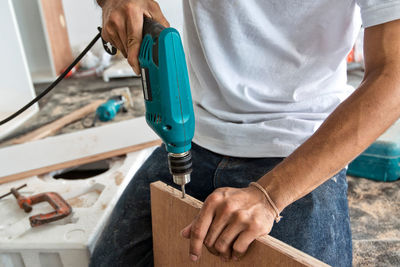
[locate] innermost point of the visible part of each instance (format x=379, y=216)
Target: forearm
x=349, y=130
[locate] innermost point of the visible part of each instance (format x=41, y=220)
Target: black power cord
x=111, y=51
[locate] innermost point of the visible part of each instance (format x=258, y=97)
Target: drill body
x=168, y=101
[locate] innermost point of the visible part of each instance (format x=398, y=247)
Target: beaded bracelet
x=278, y=216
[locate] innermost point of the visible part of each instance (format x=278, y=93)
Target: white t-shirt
x=266, y=73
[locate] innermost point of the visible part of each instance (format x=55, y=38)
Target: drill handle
x=154, y=29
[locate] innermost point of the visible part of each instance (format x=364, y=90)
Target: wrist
x=281, y=194
x=257, y=197
x=270, y=203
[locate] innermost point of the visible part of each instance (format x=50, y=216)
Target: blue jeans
x=317, y=224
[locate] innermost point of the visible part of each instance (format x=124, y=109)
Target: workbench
x=374, y=206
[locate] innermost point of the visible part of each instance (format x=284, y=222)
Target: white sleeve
x=374, y=12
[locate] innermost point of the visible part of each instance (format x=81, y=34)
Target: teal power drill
x=168, y=101
x=107, y=111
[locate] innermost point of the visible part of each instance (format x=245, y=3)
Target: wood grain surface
x=57, y=34
x=171, y=213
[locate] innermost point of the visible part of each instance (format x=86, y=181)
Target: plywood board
x=59, y=152
x=171, y=213
x=57, y=36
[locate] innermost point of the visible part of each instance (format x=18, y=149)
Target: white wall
x=84, y=16
x=16, y=88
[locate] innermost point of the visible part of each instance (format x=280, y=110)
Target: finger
x=242, y=243
x=105, y=33
x=116, y=42
x=225, y=241
x=113, y=30
x=110, y=37
x=186, y=231
x=121, y=36
x=134, y=38
x=199, y=230
x=216, y=228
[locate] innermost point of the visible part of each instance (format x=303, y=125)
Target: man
x=269, y=87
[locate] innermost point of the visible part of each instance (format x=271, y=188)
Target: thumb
x=186, y=231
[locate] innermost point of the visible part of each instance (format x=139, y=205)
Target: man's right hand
x=123, y=24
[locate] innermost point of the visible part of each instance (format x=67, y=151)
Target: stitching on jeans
x=221, y=165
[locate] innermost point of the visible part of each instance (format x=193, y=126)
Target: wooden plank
x=57, y=34
x=171, y=213
x=77, y=162
x=55, y=126
x=68, y=150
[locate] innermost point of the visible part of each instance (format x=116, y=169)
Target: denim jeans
x=317, y=224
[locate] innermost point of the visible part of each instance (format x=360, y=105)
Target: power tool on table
x=168, y=101
x=108, y=110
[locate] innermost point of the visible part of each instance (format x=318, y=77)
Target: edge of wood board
x=80, y=161
x=267, y=240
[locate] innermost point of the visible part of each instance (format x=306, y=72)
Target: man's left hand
x=229, y=221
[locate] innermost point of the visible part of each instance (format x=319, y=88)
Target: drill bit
x=183, y=190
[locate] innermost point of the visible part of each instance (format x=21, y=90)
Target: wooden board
x=171, y=213
x=55, y=126
x=68, y=150
x=57, y=35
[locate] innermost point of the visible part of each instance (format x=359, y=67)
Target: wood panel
x=68, y=150
x=55, y=25
x=171, y=213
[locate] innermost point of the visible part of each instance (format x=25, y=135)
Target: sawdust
x=375, y=221
x=119, y=177
x=76, y=202
x=85, y=200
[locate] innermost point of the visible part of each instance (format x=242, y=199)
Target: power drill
x=168, y=101
x=119, y=102
x=108, y=110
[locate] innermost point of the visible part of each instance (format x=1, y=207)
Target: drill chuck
x=180, y=166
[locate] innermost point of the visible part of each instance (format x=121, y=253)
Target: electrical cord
x=60, y=78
